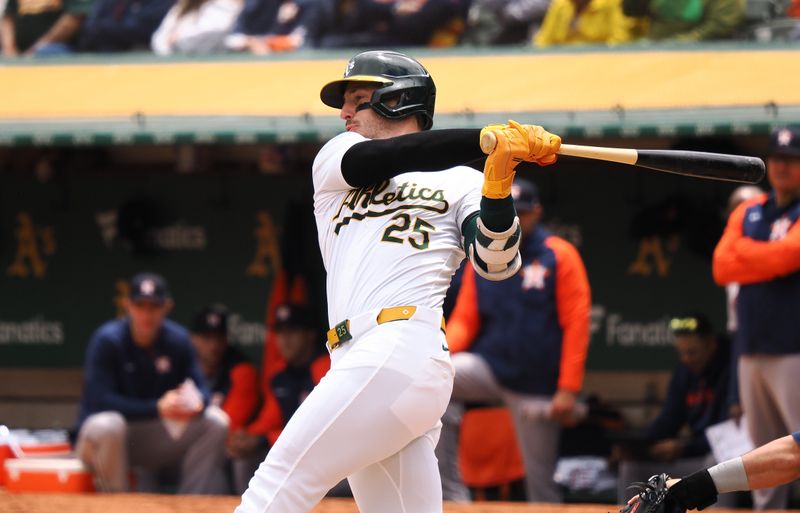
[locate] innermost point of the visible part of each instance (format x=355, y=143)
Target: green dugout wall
x=67, y=244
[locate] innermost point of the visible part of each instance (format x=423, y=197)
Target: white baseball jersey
x=395, y=243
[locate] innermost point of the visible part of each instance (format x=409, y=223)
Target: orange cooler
x=47, y=475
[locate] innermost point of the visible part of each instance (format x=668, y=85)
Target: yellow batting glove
x=511, y=149
x=543, y=146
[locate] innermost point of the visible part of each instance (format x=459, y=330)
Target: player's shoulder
x=743, y=211
x=339, y=143
x=112, y=331
x=109, y=338
x=754, y=202
x=562, y=248
x=174, y=333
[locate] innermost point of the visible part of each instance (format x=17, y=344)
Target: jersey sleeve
x=796, y=436
x=740, y=259
x=573, y=304
x=327, y=167
x=464, y=323
x=243, y=398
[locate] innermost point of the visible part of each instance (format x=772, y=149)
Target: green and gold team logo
x=655, y=256
x=34, y=244
x=267, y=257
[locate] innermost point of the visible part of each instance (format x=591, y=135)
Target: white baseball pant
x=374, y=418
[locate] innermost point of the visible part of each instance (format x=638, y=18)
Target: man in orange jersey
x=760, y=250
x=523, y=342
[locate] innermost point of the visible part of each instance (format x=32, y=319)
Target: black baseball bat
x=713, y=166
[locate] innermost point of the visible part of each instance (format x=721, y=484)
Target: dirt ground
x=133, y=503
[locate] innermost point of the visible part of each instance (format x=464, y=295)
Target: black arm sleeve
x=373, y=161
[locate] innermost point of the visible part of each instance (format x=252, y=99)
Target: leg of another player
x=760, y=383
x=538, y=438
x=202, y=468
x=102, y=446
x=474, y=382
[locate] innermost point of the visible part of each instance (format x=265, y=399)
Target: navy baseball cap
x=290, y=315
x=785, y=141
x=693, y=323
x=149, y=287
x=525, y=194
x=212, y=320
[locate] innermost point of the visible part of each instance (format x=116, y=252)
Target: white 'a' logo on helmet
x=350, y=65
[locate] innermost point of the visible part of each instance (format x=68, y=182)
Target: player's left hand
x=562, y=407
x=543, y=146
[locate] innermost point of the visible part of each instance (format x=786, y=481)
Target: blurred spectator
x=196, y=26
x=794, y=12
x=523, y=342
x=144, y=400
x=697, y=398
x=266, y=26
x=760, y=250
x=382, y=23
x=232, y=379
x=688, y=20
x=306, y=362
x=48, y=27
x=497, y=22
x=585, y=22
x=122, y=25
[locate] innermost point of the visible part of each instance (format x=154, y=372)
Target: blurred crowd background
x=165, y=27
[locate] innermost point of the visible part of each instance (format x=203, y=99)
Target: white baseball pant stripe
x=374, y=418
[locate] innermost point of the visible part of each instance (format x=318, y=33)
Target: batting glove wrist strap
x=696, y=491
x=498, y=189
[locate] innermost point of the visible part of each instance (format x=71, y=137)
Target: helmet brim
x=332, y=93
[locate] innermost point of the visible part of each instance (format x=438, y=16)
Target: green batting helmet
x=397, y=76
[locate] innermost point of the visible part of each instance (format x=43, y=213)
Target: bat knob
x=488, y=142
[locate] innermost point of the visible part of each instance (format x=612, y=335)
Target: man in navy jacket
x=144, y=402
x=697, y=398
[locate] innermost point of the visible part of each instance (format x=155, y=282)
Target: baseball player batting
x=396, y=212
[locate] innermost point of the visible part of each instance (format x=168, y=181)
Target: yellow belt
x=341, y=332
